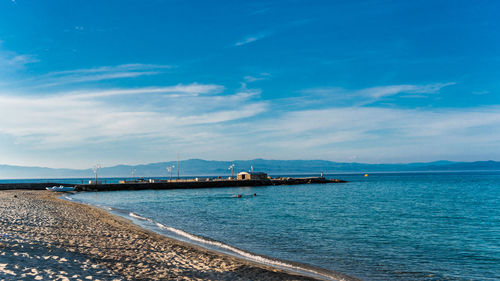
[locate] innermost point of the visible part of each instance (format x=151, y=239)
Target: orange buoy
x=366, y=175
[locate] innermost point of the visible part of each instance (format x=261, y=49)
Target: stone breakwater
x=45, y=238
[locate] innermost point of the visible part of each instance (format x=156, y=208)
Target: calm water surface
x=421, y=226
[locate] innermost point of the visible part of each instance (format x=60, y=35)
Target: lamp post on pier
x=96, y=169
x=169, y=168
x=231, y=167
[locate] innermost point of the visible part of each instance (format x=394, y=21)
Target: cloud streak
x=112, y=69
x=252, y=38
x=260, y=77
x=12, y=61
x=361, y=97
x=193, y=89
x=59, y=78
x=259, y=36
x=386, y=91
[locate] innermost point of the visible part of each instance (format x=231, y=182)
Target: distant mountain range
x=198, y=167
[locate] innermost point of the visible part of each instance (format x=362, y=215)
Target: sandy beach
x=46, y=238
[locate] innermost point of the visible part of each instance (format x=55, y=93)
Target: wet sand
x=46, y=238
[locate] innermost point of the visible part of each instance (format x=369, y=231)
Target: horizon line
x=255, y=159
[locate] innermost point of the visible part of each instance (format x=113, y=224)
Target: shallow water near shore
x=398, y=226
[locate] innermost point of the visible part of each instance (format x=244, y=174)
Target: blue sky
x=131, y=82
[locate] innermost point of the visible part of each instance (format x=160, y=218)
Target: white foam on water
x=228, y=248
x=134, y=215
x=239, y=252
x=66, y=197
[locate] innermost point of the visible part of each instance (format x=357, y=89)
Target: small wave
x=224, y=246
x=68, y=198
x=231, y=249
x=134, y=215
x=220, y=245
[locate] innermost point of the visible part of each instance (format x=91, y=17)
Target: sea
x=384, y=226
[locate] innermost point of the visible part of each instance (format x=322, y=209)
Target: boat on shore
x=61, y=188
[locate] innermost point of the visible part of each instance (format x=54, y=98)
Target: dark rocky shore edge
x=44, y=237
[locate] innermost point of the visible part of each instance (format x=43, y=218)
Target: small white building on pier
x=252, y=176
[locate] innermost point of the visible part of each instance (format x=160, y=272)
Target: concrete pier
x=31, y=186
x=191, y=184
x=174, y=184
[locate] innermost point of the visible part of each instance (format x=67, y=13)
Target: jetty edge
x=31, y=186
x=174, y=184
x=196, y=183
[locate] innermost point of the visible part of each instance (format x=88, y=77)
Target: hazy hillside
x=203, y=167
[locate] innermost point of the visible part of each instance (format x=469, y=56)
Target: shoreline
x=224, y=249
x=90, y=240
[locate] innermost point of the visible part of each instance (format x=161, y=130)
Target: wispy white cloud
x=12, y=61
x=263, y=34
x=93, y=78
x=247, y=40
x=259, y=77
x=116, y=68
x=252, y=38
x=370, y=95
x=385, y=91
x=22, y=59
x=193, y=89
x=97, y=74
x=382, y=91
x=260, y=11
x=243, y=111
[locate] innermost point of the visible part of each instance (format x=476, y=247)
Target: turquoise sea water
x=398, y=226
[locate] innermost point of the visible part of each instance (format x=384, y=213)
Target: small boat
x=61, y=188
